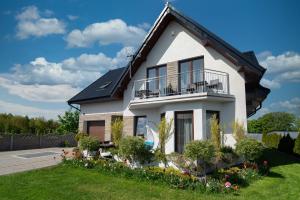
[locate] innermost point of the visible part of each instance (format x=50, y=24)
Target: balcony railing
x=189, y=82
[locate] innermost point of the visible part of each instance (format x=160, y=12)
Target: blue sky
x=52, y=49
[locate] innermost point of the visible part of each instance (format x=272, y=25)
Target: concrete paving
x=25, y=160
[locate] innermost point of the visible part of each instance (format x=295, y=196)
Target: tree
x=275, y=121
x=254, y=126
x=68, y=123
x=278, y=121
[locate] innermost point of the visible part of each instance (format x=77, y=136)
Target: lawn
x=64, y=182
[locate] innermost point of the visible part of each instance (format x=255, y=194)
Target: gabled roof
x=101, y=88
x=246, y=61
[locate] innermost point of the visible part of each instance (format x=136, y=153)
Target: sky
x=50, y=50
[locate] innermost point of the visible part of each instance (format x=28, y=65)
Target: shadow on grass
x=277, y=158
x=275, y=175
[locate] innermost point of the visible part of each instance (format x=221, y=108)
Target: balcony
x=182, y=85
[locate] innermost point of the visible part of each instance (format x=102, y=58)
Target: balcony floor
x=139, y=103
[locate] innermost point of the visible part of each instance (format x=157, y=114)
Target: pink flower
x=265, y=162
x=227, y=184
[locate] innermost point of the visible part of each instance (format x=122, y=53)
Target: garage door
x=96, y=129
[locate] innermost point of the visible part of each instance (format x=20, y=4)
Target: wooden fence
x=21, y=142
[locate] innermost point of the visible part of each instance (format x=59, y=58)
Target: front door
x=183, y=129
x=96, y=129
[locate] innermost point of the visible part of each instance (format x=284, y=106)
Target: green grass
x=65, y=182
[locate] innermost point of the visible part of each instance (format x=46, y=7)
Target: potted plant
x=89, y=146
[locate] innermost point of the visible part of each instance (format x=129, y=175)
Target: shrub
x=227, y=154
x=164, y=133
x=297, y=145
x=272, y=140
x=199, y=150
x=80, y=135
x=286, y=144
x=238, y=131
x=182, y=161
x=250, y=149
x=116, y=130
x=89, y=143
x=134, y=149
x=215, y=132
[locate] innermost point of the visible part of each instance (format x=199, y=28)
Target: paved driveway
x=24, y=160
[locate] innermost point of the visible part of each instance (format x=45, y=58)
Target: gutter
x=73, y=107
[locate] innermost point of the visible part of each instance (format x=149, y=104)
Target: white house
x=181, y=71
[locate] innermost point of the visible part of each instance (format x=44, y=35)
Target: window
x=191, y=72
x=162, y=115
x=183, y=129
x=157, y=78
x=209, y=115
x=140, y=128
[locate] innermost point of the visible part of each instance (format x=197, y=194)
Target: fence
x=21, y=142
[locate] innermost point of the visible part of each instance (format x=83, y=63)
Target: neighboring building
x=181, y=71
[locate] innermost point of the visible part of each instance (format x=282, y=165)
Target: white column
x=199, y=124
x=170, y=145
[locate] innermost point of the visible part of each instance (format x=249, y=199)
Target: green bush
x=250, y=149
x=227, y=154
x=200, y=151
x=215, y=132
x=297, y=145
x=238, y=130
x=170, y=176
x=134, y=149
x=80, y=135
x=286, y=144
x=116, y=130
x=89, y=143
x=271, y=140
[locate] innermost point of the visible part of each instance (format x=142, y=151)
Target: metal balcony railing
x=189, y=82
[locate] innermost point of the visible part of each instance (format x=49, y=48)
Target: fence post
x=11, y=142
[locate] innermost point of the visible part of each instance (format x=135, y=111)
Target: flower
x=236, y=187
x=227, y=184
x=265, y=162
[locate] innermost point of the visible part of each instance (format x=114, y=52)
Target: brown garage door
x=96, y=129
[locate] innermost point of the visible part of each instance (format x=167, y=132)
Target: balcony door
x=191, y=73
x=157, y=79
x=183, y=129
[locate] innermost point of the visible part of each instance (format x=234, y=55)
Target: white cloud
x=30, y=23
x=44, y=81
x=282, y=68
x=281, y=63
x=39, y=93
x=112, y=31
x=18, y=109
x=72, y=17
x=290, y=106
x=272, y=84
